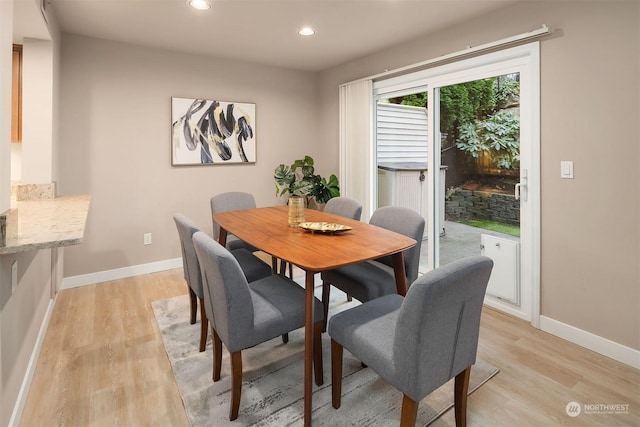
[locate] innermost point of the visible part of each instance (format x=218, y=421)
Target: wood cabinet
x=16, y=95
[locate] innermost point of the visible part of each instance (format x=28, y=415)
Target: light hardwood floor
x=103, y=364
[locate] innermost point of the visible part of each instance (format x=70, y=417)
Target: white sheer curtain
x=357, y=172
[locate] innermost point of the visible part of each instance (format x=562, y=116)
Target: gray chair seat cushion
x=252, y=266
x=233, y=243
x=278, y=308
x=368, y=332
x=379, y=279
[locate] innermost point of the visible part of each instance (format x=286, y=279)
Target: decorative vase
x=296, y=210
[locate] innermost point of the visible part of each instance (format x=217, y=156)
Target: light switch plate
x=566, y=169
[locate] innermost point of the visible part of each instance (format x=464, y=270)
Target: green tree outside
x=473, y=117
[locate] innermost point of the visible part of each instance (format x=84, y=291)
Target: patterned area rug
x=272, y=388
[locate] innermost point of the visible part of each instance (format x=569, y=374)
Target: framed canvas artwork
x=207, y=132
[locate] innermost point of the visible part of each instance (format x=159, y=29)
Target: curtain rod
x=543, y=30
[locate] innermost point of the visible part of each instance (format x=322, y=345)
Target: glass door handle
x=521, y=187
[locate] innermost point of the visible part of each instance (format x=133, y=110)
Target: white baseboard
x=506, y=308
x=31, y=368
x=119, y=273
x=619, y=352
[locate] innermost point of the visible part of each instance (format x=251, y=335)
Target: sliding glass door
x=475, y=165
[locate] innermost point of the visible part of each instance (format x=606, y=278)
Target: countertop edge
x=38, y=246
x=45, y=223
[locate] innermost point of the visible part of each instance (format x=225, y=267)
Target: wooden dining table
x=268, y=230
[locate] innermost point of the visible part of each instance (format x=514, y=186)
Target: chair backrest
x=404, y=221
x=230, y=201
x=227, y=296
x=186, y=229
x=438, y=325
x=344, y=206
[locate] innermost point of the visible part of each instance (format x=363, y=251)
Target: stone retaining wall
x=467, y=204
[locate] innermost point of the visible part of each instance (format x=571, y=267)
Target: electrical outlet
x=147, y=238
x=14, y=276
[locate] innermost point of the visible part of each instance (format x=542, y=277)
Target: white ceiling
x=265, y=31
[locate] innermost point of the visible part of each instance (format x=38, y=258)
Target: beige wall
x=115, y=143
x=591, y=226
x=37, y=106
x=590, y=87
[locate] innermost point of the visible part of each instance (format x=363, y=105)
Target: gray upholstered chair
x=246, y=314
x=253, y=268
x=234, y=201
x=419, y=342
x=231, y=201
x=344, y=206
x=372, y=279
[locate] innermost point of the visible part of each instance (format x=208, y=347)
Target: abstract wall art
x=207, y=132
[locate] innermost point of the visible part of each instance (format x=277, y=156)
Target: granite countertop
x=45, y=223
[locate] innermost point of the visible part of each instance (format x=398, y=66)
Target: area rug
x=272, y=388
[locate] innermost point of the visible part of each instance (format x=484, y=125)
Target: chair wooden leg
x=460, y=397
x=409, y=412
x=236, y=384
x=283, y=269
x=193, y=303
x=336, y=374
x=217, y=355
x=317, y=353
x=283, y=266
x=326, y=291
x=204, y=326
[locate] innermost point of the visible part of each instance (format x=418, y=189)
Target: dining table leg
x=222, y=237
x=308, y=346
x=399, y=272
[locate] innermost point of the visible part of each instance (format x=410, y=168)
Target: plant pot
x=296, y=210
x=313, y=204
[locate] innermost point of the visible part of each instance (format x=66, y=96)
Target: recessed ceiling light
x=200, y=4
x=307, y=31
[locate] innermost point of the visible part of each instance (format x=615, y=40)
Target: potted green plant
x=300, y=180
